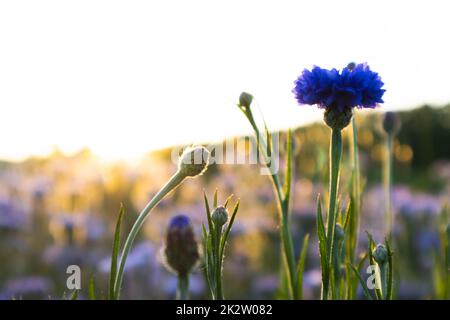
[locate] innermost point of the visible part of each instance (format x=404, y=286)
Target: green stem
x=384, y=280
x=173, y=182
x=335, y=159
x=218, y=271
x=183, y=287
x=388, y=217
x=283, y=210
x=356, y=188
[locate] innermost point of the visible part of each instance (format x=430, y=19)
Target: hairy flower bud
x=245, y=100
x=380, y=254
x=181, y=250
x=193, y=161
x=337, y=119
x=220, y=216
x=351, y=66
x=391, y=123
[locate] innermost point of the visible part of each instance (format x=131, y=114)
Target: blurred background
x=61, y=210
x=95, y=94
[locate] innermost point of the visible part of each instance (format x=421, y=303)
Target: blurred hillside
x=61, y=210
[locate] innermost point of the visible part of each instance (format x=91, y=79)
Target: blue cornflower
x=354, y=86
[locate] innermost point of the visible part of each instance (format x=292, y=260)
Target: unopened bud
x=391, y=123
x=181, y=250
x=220, y=216
x=337, y=119
x=193, y=161
x=245, y=100
x=380, y=254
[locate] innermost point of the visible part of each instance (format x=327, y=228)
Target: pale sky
x=126, y=77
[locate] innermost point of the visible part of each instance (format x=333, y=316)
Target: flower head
x=354, y=86
x=380, y=254
x=245, y=100
x=181, y=250
x=220, y=216
x=193, y=161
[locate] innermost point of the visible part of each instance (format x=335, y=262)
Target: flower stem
x=283, y=217
x=218, y=262
x=335, y=159
x=183, y=287
x=173, y=182
x=388, y=217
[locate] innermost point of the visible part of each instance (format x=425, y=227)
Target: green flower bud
x=219, y=216
x=245, y=100
x=337, y=119
x=193, y=161
x=380, y=254
x=181, y=250
x=391, y=123
x=351, y=66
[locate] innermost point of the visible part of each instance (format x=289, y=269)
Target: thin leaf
x=322, y=244
x=288, y=174
x=115, y=252
x=227, y=230
x=390, y=281
x=348, y=215
x=208, y=213
x=301, y=266
x=363, y=284
x=371, y=247
x=74, y=295
x=227, y=200
x=215, y=199
x=91, y=289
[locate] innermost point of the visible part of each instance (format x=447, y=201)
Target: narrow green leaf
x=74, y=295
x=215, y=199
x=301, y=266
x=390, y=280
x=115, y=252
x=227, y=230
x=363, y=284
x=228, y=200
x=91, y=289
x=208, y=213
x=371, y=247
x=322, y=244
x=348, y=216
x=288, y=171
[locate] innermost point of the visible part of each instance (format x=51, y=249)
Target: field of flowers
x=357, y=210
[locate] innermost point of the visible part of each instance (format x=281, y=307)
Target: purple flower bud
x=391, y=123
x=181, y=249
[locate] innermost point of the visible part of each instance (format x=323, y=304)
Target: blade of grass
x=74, y=295
x=301, y=266
x=322, y=245
x=115, y=252
x=215, y=199
x=361, y=280
x=390, y=281
x=227, y=230
x=288, y=171
x=208, y=214
x=371, y=247
x=228, y=200
x=91, y=289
